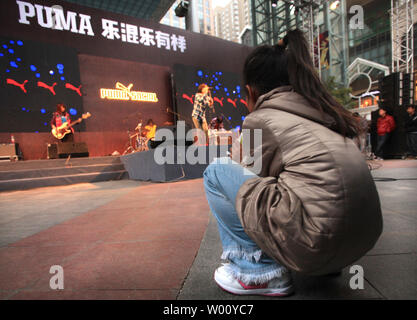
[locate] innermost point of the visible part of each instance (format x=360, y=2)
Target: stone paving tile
x=138, y=246
x=95, y=295
x=395, y=276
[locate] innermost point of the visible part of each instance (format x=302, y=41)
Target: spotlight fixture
x=182, y=9
x=333, y=6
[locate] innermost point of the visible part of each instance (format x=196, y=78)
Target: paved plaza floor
x=139, y=240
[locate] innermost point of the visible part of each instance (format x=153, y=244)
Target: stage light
x=60, y=66
x=7, y=70
x=182, y=9
x=334, y=5
x=196, y=84
x=11, y=42
x=18, y=59
x=23, y=108
x=61, y=71
x=72, y=111
x=225, y=89
x=32, y=67
x=45, y=124
x=62, y=78
x=51, y=72
x=13, y=64
x=243, y=118
x=230, y=118
x=20, y=43
x=4, y=46
x=11, y=51
x=200, y=73
x=43, y=110
x=1, y=54
x=38, y=75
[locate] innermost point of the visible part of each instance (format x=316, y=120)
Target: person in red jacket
x=385, y=125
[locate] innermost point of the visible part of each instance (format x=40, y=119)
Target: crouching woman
x=313, y=208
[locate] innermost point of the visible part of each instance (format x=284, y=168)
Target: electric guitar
x=61, y=131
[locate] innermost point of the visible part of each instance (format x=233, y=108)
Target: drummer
x=150, y=130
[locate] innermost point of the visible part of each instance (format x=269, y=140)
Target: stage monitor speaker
x=65, y=149
x=174, y=142
x=52, y=150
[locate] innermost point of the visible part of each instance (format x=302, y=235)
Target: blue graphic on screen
x=35, y=77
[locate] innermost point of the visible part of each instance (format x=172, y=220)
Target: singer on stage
x=202, y=100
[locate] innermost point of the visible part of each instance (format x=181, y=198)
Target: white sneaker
x=280, y=286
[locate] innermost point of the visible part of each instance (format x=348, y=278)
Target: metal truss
x=312, y=16
x=402, y=35
x=270, y=23
x=335, y=24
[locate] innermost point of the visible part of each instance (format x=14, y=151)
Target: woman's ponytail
x=304, y=79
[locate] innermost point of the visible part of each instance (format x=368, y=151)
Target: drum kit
x=137, y=140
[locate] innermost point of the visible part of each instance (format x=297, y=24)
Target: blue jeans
x=222, y=180
x=381, y=141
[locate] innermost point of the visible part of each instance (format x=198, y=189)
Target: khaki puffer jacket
x=315, y=207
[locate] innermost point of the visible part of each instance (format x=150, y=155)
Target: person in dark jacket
x=411, y=131
x=311, y=206
x=385, y=126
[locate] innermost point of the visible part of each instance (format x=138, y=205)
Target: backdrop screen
x=34, y=77
x=227, y=92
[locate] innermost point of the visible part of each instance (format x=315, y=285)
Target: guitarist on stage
x=60, y=117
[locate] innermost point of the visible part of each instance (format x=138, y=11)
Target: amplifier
x=65, y=149
x=9, y=151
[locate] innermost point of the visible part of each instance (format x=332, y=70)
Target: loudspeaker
x=64, y=149
x=389, y=87
x=52, y=150
x=407, y=89
x=170, y=142
x=75, y=149
x=9, y=151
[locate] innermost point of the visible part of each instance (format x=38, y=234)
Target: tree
x=340, y=93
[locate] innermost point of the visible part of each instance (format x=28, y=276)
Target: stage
x=21, y=175
x=188, y=162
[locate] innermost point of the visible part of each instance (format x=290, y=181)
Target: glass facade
x=373, y=42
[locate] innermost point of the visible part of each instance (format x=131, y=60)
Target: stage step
x=43, y=173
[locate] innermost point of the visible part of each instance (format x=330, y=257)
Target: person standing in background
x=411, y=132
x=385, y=125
